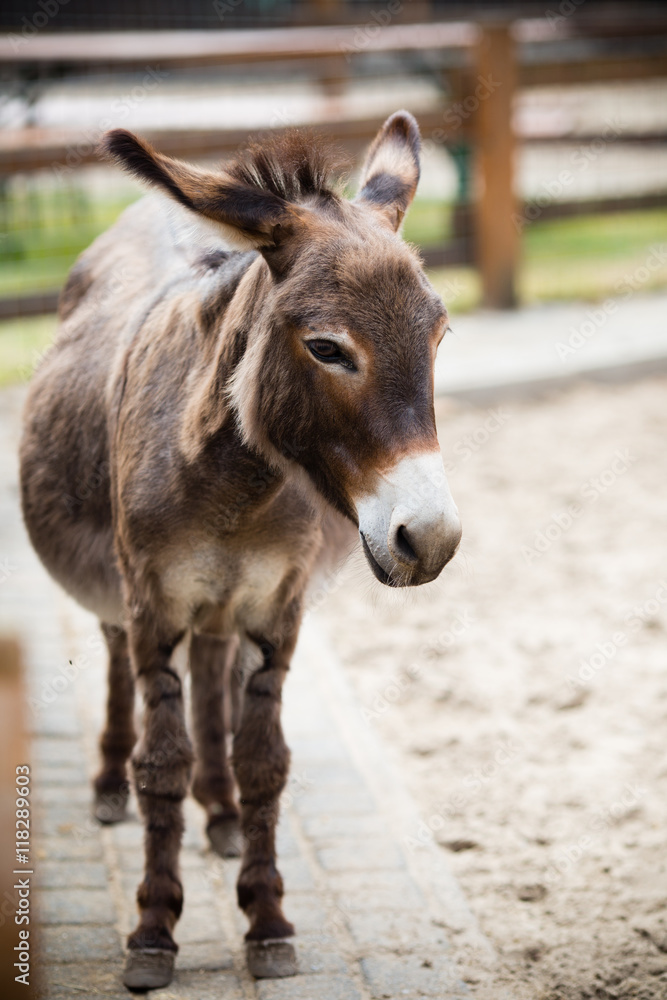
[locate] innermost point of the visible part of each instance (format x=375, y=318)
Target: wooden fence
x=515, y=55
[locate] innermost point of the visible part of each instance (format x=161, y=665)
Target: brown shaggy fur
x=183, y=450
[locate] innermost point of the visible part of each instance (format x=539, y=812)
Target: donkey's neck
x=227, y=336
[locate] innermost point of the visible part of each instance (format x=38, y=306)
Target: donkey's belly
x=78, y=552
x=65, y=495
x=98, y=593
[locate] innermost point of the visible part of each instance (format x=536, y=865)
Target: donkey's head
x=337, y=374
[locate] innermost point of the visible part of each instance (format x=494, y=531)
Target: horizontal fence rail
x=522, y=54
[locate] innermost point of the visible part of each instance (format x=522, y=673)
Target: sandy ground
x=524, y=694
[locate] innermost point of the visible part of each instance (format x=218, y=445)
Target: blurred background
x=544, y=126
x=542, y=218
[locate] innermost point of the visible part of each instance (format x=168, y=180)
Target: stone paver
x=399, y=976
x=56, y=874
x=309, y=988
x=370, y=916
x=76, y=906
x=67, y=943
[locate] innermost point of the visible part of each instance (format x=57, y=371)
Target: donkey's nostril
x=404, y=546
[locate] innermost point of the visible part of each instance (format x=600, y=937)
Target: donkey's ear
x=247, y=218
x=391, y=171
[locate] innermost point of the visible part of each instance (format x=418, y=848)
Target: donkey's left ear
x=391, y=171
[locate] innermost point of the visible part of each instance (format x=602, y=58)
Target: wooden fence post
x=496, y=233
x=14, y=753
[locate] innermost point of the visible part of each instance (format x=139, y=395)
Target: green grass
x=612, y=237
x=428, y=222
x=43, y=234
x=459, y=287
x=22, y=345
x=591, y=257
x=587, y=258
x=582, y=258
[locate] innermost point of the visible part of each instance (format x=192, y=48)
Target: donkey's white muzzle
x=410, y=526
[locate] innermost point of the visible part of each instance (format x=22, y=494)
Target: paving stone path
x=374, y=917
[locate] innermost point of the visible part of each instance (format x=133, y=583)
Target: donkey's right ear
x=247, y=218
x=391, y=172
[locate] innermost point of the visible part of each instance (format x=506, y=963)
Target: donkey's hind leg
x=211, y=661
x=111, y=785
x=235, y=693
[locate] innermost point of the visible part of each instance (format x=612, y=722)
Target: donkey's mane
x=294, y=165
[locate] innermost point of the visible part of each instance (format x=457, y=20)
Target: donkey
x=238, y=373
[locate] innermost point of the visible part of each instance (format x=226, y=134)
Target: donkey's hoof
x=224, y=836
x=110, y=807
x=273, y=959
x=148, y=968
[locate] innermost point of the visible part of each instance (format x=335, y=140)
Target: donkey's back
x=141, y=263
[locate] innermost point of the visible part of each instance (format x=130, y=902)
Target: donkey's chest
x=256, y=596
x=218, y=591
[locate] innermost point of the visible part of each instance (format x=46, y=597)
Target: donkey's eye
x=329, y=352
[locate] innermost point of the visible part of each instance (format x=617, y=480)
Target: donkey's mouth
x=380, y=573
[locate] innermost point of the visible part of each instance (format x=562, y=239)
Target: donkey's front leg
x=162, y=764
x=261, y=763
